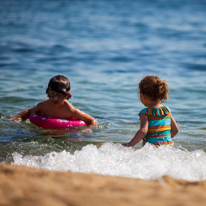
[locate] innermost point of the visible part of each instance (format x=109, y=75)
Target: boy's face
x=56, y=98
x=53, y=94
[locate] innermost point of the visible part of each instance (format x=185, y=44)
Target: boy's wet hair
x=59, y=84
x=154, y=88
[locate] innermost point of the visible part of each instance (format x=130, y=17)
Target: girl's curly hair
x=154, y=88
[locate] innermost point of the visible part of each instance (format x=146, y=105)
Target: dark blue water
x=104, y=48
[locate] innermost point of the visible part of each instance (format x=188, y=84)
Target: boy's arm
x=83, y=116
x=174, y=127
x=141, y=132
x=24, y=115
x=21, y=116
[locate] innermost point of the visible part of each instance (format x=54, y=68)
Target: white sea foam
x=112, y=159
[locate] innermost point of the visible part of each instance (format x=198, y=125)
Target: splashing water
x=113, y=159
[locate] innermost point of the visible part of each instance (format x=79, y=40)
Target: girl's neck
x=148, y=102
x=154, y=104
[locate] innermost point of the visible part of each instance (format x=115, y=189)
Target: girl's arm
x=174, y=127
x=141, y=132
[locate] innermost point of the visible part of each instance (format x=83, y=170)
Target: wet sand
x=23, y=186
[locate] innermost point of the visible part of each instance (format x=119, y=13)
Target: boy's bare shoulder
x=69, y=105
x=42, y=104
x=70, y=108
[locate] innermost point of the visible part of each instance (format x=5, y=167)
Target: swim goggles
x=52, y=94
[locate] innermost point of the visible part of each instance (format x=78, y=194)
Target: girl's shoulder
x=144, y=111
x=156, y=111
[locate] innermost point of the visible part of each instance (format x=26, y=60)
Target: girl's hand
x=126, y=145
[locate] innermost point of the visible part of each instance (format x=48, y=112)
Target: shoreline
x=21, y=185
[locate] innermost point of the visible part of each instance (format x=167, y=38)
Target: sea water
x=146, y=163
x=104, y=48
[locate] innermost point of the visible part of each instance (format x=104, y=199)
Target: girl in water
x=157, y=125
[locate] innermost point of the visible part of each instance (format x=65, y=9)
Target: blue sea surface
x=104, y=48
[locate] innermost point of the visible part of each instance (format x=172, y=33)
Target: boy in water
x=57, y=105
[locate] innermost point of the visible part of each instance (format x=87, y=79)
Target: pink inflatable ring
x=45, y=122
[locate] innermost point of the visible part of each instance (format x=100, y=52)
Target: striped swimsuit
x=159, y=129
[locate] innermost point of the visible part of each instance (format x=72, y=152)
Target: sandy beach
x=20, y=185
